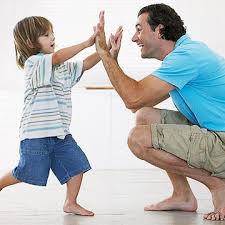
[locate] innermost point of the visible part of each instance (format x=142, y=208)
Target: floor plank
x=116, y=196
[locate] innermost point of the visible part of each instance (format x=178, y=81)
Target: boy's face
x=47, y=42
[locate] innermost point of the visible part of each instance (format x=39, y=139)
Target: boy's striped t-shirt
x=47, y=99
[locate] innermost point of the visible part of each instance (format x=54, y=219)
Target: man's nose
x=134, y=38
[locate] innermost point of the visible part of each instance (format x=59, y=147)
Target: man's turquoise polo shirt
x=198, y=74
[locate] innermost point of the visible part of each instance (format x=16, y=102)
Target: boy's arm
x=90, y=61
x=64, y=54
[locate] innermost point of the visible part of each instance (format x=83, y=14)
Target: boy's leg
x=7, y=180
x=68, y=164
x=71, y=205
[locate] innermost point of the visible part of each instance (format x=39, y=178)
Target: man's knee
x=135, y=144
x=147, y=116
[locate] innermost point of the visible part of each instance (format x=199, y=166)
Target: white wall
x=73, y=23
x=100, y=125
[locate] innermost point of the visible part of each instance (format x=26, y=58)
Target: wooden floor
x=116, y=197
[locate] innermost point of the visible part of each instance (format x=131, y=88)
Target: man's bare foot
x=175, y=203
x=77, y=209
x=218, y=202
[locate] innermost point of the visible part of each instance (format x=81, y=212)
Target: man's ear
x=159, y=29
x=29, y=43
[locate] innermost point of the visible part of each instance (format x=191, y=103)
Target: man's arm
x=135, y=94
x=149, y=105
x=149, y=91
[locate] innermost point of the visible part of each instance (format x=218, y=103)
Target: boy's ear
x=29, y=43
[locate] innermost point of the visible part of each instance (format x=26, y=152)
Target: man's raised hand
x=100, y=41
x=114, y=43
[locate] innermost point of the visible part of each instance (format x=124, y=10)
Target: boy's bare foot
x=175, y=203
x=77, y=209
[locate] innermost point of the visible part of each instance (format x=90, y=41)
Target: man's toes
x=221, y=215
x=214, y=216
x=206, y=216
x=210, y=216
x=217, y=216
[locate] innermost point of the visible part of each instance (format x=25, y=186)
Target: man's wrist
x=104, y=53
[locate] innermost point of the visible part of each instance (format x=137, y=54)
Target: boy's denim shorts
x=37, y=156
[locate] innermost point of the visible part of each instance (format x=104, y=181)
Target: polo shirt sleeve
x=38, y=70
x=75, y=71
x=178, y=68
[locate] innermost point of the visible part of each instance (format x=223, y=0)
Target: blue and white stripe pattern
x=47, y=102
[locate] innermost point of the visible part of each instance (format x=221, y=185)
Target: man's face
x=146, y=38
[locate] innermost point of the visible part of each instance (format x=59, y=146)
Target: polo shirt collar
x=182, y=39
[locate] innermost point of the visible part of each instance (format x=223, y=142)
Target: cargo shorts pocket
x=197, y=150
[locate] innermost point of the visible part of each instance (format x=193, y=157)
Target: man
x=187, y=143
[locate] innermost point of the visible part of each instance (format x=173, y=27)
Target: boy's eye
x=46, y=35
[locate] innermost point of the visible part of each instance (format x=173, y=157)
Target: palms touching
x=114, y=42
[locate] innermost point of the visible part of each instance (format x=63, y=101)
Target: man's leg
x=182, y=197
x=140, y=143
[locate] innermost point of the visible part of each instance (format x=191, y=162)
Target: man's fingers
x=98, y=27
x=118, y=32
x=101, y=18
x=112, y=40
x=119, y=29
x=119, y=39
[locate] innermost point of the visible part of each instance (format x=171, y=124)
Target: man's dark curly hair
x=173, y=26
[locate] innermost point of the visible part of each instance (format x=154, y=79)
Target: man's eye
x=138, y=29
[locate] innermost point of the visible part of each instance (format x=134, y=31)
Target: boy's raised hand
x=91, y=40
